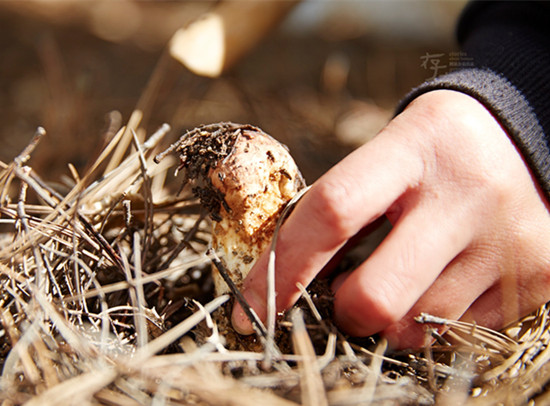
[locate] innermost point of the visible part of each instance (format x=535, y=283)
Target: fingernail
x=240, y=321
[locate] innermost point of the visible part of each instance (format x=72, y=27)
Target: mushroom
x=244, y=178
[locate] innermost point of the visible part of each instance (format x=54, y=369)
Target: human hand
x=470, y=227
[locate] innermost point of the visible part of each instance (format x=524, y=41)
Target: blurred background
x=325, y=81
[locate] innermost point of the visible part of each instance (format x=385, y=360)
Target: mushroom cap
x=256, y=179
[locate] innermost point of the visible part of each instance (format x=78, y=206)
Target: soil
x=200, y=150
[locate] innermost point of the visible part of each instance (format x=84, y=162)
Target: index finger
x=351, y=195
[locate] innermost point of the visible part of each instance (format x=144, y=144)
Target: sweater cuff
x=509, y=107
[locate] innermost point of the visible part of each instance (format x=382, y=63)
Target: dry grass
x=106, y=298
x=100, y=301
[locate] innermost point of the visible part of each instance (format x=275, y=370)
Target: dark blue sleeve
x=508, y=48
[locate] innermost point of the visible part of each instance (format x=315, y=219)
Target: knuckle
x=331, y=207
x=367, y=312
x=501, y=186
x=495, y=189
x=382, y=307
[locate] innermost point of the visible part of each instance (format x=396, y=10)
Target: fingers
x=484, y=285
x=348, y=197
x=517, y=293
x=453, y=292
x=425, y=240
x=361, y=245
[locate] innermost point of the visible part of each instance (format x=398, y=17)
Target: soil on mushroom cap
x=200, y=150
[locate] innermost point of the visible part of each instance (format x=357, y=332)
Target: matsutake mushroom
x=244, y=178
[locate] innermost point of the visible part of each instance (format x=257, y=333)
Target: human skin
x=470, y=227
